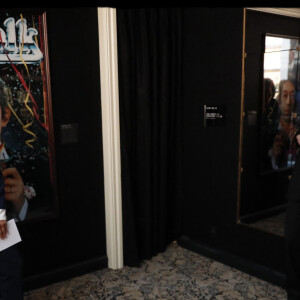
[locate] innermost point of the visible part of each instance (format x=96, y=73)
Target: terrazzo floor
x=175, y=274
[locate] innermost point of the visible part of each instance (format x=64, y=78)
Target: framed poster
x=27, y=157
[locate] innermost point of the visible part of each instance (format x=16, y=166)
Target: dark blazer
x=292, y=235
x=293, y=193
x=2, y=194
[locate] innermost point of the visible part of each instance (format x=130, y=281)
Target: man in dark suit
x=10, y=260
x=292, y=233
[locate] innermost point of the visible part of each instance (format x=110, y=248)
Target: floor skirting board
x=57, y=275
x=242, y=264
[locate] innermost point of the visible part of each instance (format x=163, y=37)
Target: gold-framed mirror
x=270, y=117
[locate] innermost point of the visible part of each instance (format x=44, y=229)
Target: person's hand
x=3, y=229
x=292, y=132
x=298, y=138
x=278, y=145
x=14, y=188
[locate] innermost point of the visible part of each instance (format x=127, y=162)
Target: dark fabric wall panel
x=212, y=76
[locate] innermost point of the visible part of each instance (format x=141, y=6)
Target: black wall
x=75, y=241
x=212, y=75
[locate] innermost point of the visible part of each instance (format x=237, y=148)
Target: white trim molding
x=107, y=25
x=285, y=11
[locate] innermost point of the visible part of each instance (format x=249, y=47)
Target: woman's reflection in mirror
x=279, y=128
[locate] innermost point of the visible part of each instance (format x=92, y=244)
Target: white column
x=111, y=135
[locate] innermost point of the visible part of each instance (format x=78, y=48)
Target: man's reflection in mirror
x=280, y=128
x=270, y=104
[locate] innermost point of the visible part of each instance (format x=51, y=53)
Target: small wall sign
x=214, y=115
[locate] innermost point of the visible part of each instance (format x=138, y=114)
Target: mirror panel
x=279, y=110
x=273, y=126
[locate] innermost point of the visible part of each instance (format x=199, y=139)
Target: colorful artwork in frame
x=27, y=157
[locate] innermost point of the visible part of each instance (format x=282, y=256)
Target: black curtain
x=149, y=58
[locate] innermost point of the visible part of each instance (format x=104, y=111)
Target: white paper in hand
x=13, y=236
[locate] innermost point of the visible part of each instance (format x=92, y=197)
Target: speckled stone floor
x=176, y=274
